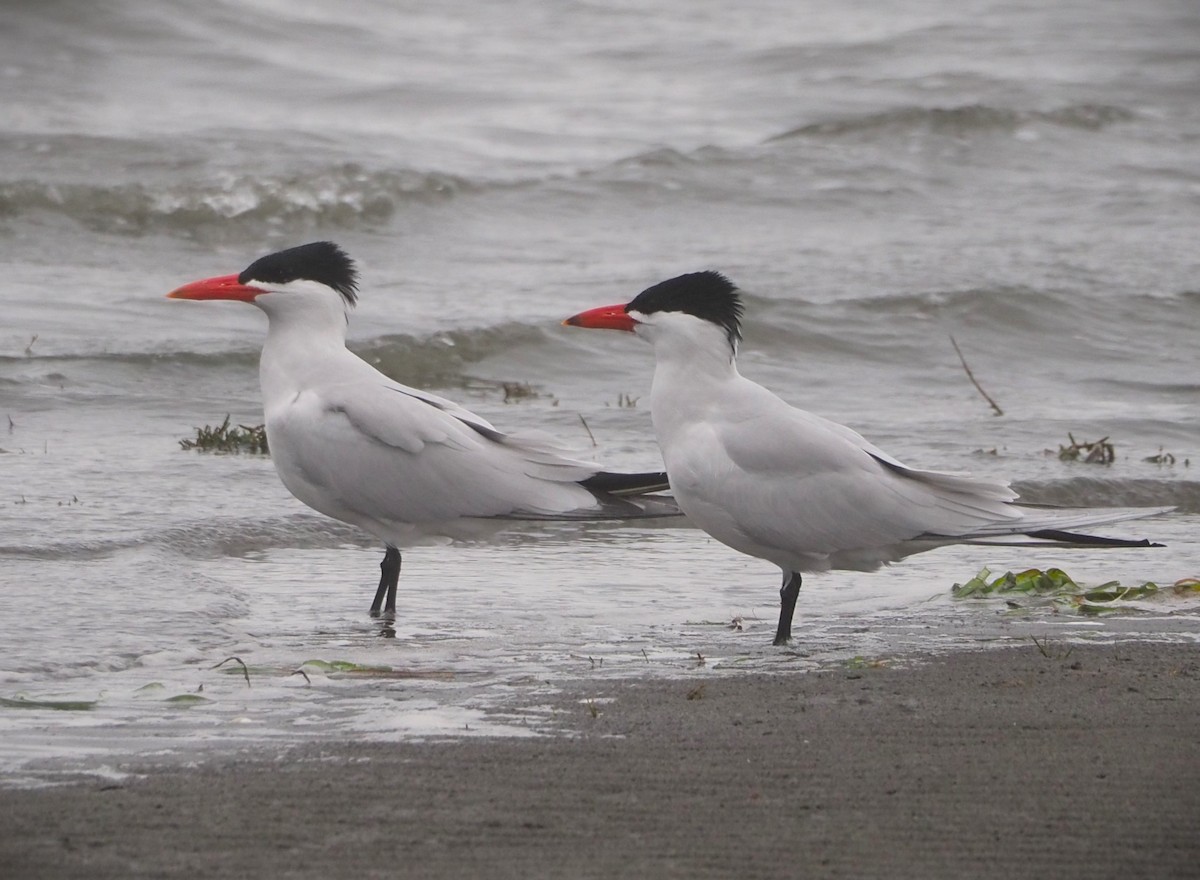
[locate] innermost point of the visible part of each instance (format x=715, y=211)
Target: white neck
x=694, y=368
x=307, y=329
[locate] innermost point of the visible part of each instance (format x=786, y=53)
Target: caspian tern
x=398, y=462
x=793, y=488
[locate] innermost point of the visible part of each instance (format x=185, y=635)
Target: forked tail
x=624, y=485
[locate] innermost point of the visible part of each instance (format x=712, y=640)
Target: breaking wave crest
x=233, y=205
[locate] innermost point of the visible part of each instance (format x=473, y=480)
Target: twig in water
x=974, y=381
x=1045, y=650
x=1096, y=452
x=583, y=421
x=245, y=668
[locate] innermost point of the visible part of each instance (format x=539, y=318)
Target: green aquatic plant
x=1058, y=587
x=56, y=705
x=229, y=438
x=183, y=700
x=345, y=667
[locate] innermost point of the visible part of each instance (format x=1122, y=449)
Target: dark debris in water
x=1090, y=452
x=517, y=391
x=1165, y=459
x=229, y=438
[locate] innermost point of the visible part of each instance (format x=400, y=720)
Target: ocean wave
x=962, y=120
x=1009, y=306
x=342, y=196
x=864, y=327
x=240, y=359
x=1183, y=495
x=439, y=358
x=1013, y=307
x=210, y=538
x=236, y=536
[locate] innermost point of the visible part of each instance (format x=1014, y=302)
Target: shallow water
x=1025, y=179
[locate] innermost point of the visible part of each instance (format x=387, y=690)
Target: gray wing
x=382, y=452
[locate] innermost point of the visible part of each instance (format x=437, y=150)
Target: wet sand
x=1006, y=763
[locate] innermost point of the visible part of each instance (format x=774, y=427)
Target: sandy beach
x=1076, y=761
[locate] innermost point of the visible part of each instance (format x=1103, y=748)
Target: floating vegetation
x=229, y=438
x=56, y=705
x=345, y=667
x=1057, y=587
x=515, y=391
x=186, y=700
x=1094, y=452
x=332, y=669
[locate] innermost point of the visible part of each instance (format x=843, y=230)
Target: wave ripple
x=342, y=196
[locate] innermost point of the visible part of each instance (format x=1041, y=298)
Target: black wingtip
x=1089, y=540
x=611, y=483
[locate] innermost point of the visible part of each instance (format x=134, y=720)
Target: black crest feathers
x=320, y=261
x=709, y=296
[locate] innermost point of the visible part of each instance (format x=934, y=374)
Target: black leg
x=389, y=577
x=787, y=607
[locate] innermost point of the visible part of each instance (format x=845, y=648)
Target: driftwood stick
x=974, y=381
x=583, y=421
